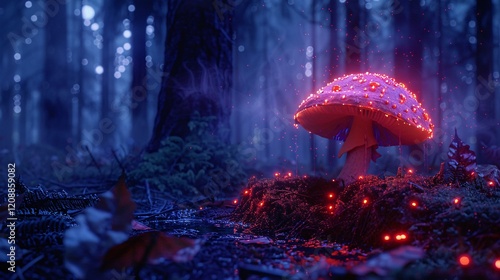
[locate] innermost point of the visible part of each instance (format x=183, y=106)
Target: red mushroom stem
x=361, y=147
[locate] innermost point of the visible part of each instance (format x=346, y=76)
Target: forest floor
x=288, y=227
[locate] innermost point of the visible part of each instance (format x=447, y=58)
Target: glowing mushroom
x=365, y=111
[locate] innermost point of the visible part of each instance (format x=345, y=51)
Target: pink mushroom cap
x=398, y=118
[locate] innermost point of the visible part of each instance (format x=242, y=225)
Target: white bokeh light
x=127, y=33
x=88, y=12
x=127, y=46
x=150, y=30
x=99, y=70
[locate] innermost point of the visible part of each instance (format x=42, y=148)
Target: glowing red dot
x=410, y=170
x=261, y=204
x=235, y=201
x=387, y=237
x=276, y=174
x=497, y=264
x=403, y=236
x=201, y=208
x=413, y=204
x=365, y=201
x=289, y=174
x=336, y=88
x=464, y=260
x=456, y=200
x=398, y=237
x=330, y=207
x=360, y=177
x=425, y=116
x=491, y=183
x=330, y=195
x=402, y=98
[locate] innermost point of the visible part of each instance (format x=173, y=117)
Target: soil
x=313, y=228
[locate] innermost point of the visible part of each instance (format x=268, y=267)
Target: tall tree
x=337, y=60
x=198, y=68
x=140, y=126
x=55, y=90
x=11, y=41
x=485, y=89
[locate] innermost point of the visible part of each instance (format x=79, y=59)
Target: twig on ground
x=20, y=270
x=118, y=160
x=148, y=192
x=417, y=187
x=153, y=214
x=93, y=160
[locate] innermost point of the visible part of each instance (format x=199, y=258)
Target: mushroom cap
x=398, y=118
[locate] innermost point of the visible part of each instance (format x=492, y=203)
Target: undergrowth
x=463, y=217
x=198, y=165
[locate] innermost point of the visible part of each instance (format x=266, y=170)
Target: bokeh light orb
x=88, y=12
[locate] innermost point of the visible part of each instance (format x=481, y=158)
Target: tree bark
x=485, y=89
x=140, y=126
x=197, y=69
x=55, y=89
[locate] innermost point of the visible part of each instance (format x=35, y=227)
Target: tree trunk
x=140, y=126
x=11, y=42
x=355, y=40
x=55, y=90
x=336, y=61
x=485, y=89
x=198, y=69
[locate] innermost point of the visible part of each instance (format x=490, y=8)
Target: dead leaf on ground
x=259, y=240
x=99, y=228
x=389, y=262
x=139, y=226
x=148, y=247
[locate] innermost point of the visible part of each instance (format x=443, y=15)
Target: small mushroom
x=365, y=111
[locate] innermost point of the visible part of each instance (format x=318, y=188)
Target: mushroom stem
x=356, y=164
x=360, y=146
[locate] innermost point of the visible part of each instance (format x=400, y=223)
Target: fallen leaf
x=119, y=203
x=139, y=226
x=148, y=247
x=386, y=263
x=260, y=240
x=99, y=228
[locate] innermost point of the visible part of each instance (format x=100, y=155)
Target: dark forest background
x=94, y=77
